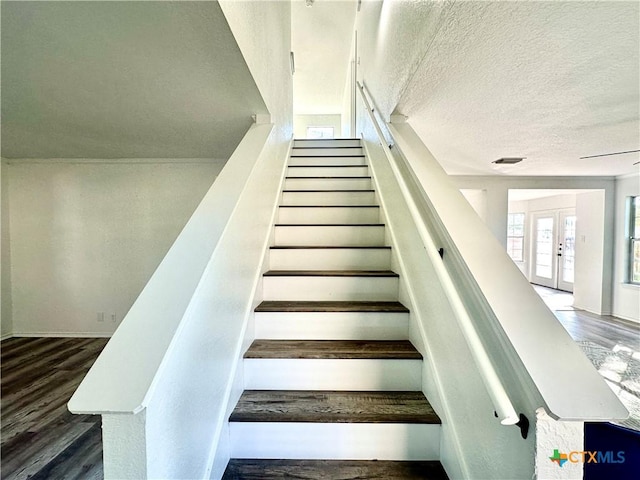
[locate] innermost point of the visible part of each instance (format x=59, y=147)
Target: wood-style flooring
x=40, y=438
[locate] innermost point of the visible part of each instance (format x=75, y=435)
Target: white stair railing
x=479, y=277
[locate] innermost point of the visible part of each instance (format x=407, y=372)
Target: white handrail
x=499, y=397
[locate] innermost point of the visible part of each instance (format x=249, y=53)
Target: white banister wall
x=471, y=437
x=164, y=381
x=569, y=385
x=451, y=379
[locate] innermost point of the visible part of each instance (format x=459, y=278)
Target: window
x=319, y=132
x=633, y=225
x=515, y=236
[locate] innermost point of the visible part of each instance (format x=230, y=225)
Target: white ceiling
x=549, y=81
x=122, y=80
x=321, y=38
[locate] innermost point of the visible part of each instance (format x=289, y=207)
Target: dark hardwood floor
x=40, y=438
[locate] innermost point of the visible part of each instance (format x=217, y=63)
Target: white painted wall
x=6, y=320
x=301, y=122
x=86, y=236
x=477, y=198
x=626, y=297
x=497, y=201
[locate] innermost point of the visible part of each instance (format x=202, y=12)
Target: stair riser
x=383, y=441
x=338, y=236
x=325, y=151
x=357, y=171
x=331, y=326
x=331, y=288
x=330, y=259
x=336, y=142
x=327, y=184
x=332, y=374
x=326, y=215
x=326, y=161
x=328, y=198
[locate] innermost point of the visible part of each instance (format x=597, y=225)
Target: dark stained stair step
x=329, y=306
x=330, y=273
x=252, y=469
x=333, y=349
x=329, y=177
x=324, y=247
x=347, y=155
x=329, y=146
x=322, y=406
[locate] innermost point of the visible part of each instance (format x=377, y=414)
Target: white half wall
x=626, y=297
x=86, y=236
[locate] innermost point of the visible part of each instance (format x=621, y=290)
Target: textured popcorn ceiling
x=549, y=81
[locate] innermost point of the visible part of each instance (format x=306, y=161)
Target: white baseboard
x=63, y=334
x=6, y=336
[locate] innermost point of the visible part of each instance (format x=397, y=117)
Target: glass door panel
x=566, y=251
x=544, y=251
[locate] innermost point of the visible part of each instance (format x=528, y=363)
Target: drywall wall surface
x=263, y=33
x=590, y=284
x=565, y=437
x=528, y=207
x=301, y=122
x=131, y=438
x=86, y=237
x=557, y=202
x=604, y=228
x=626, y=297
x=477, y=198
x=393, y=38
x=6, y=320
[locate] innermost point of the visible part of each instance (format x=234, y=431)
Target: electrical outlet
x=100, y=317
x=114, y=318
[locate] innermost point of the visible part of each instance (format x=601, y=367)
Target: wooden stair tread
x=331, y=146
x=325, y=247
x=330, y=273
x=331, y=177
x=368, y=190
x=324, y=166
x=328, y=156
x=258, y=469
x=330, y=225
x=333, y=349
x=322, y=406
x=329, y=306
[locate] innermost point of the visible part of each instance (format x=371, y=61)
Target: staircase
x=332, y=383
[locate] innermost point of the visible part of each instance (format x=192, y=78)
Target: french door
x=553, y=256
